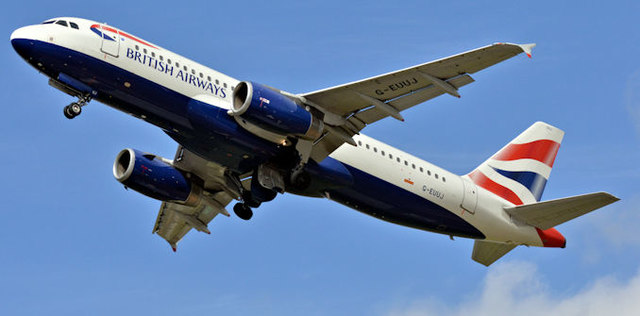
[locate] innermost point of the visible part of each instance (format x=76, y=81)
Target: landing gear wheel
x=243, y=211
x=67, y=113
x=75, y=109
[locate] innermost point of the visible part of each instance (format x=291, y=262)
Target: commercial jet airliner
x=246, y=141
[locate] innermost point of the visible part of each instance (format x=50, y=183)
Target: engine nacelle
x=150, y=175
x=273, y=111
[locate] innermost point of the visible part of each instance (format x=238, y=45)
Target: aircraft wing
x=348, y=108
x=176, y=220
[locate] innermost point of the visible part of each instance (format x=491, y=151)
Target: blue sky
x=75, y=242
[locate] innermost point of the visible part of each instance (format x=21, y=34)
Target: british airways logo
x=100, y=31
x=184, y=76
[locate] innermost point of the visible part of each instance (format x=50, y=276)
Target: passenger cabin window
x=193, y=71
x=144, y=50
x=225, y=84
x=209, y=78
x=153, y=54
x=63, y=23
x=74, y=26
x=137, y=47
x=217, y=81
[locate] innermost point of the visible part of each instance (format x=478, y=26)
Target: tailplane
x=487, y=252
x=543, y=216
x=519, y=171
x=547, y=214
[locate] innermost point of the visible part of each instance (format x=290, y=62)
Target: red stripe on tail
x=484, y=182
x=543, y=150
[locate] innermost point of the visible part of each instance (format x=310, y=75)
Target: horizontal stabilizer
x=547, y=214
x=487, y=252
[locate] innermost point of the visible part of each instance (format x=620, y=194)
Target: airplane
x=249, y=142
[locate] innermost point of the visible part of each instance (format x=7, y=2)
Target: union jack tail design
x=519, y=171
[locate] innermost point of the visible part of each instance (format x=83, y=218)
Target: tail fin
x=520, y=170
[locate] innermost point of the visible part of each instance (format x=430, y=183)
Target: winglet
x=526, y=48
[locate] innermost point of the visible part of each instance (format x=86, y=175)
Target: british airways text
x=163, y=67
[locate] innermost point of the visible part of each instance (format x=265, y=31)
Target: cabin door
x=110, y=41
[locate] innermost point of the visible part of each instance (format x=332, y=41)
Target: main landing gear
x=265, y=184
x=243, y=211
x=74, y=109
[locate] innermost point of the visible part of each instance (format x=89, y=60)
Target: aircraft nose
x=22, y=41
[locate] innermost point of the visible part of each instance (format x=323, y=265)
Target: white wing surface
x=348, y=108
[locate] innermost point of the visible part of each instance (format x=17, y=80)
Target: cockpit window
x=63, y=23
x=73, y=25
x=48, y=22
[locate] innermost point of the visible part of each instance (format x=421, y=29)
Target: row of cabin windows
x=144, y=50
x=184, y=67
x=406, y=163
x=63, y=23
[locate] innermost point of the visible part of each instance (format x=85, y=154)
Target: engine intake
x=269, y=109
x=152, y=176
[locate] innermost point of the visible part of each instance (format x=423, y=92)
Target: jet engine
x=270, y=110
x=154, y=177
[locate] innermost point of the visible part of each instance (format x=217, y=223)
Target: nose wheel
x=74, y=109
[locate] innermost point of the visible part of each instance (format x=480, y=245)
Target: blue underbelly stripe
x=383, y=200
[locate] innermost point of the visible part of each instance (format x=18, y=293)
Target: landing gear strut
x=74, y=109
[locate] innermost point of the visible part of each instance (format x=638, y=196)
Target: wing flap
x=373, y=114
x=548, y=214
x=486, y=252
x=174, y=220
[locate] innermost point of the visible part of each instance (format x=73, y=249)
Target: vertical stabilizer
x=519, y=171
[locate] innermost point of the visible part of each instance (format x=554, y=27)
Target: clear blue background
x=74, y=242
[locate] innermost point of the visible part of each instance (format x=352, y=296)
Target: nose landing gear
x=74, y=109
